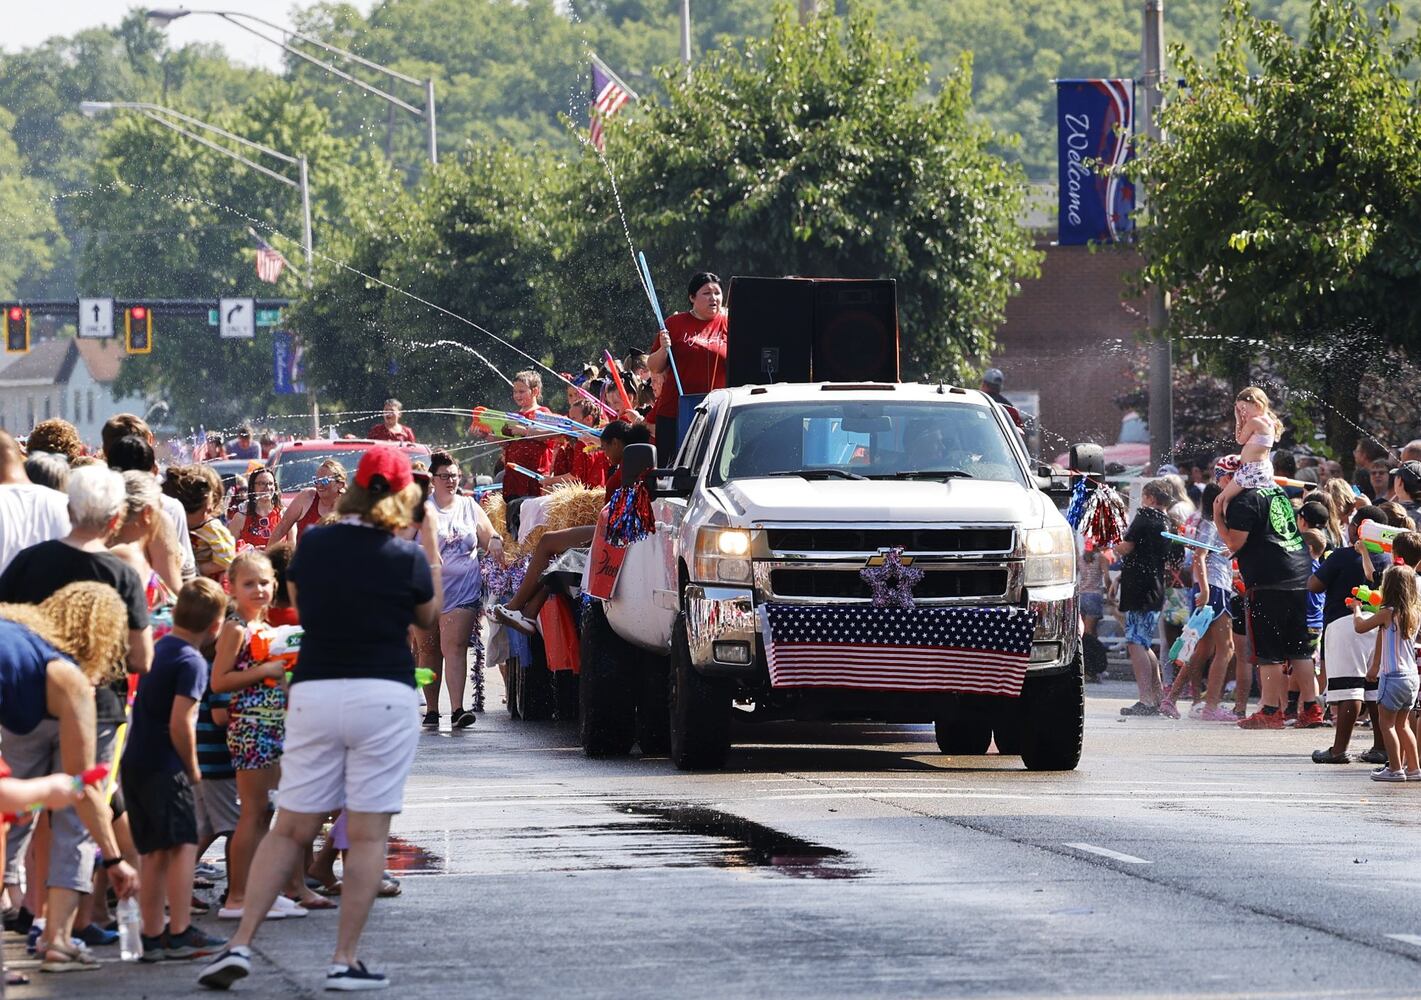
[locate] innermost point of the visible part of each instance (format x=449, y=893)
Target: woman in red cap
x=351, y=725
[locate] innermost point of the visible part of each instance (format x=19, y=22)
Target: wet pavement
x=1182, y=859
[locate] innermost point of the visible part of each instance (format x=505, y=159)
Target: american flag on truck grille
x=925, y=648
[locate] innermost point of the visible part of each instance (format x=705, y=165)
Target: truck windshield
x=891, y=440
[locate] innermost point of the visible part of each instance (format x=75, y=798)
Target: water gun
x=537, y=477
x=1194, y=543
x=1194, y=630
x=423, y=676
x=607, y=411
x=563, y=425
x=281, y=643
x=494, y=423
x=1366, y=597
x=479, y=491
x=86, y=779
x=1378, y=537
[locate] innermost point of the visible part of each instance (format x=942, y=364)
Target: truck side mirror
x=672, y=482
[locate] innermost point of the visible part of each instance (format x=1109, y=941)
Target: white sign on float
x=96, y=317
x=237, y=317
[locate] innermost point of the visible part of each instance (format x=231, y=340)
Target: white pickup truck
x=750, y=598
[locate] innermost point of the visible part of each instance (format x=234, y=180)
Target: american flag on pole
x=924, y=648
x=610, y=95
x=269, y=261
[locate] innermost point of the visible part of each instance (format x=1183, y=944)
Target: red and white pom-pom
x=1106, y=517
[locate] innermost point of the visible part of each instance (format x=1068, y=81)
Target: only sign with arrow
x=237, y=317
x=96, y=317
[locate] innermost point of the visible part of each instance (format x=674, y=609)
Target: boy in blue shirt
x=160, y=769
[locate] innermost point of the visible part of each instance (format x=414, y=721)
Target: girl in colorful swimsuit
x=1257, y=428
x=256, y=716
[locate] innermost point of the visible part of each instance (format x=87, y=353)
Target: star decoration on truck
x=891, y=578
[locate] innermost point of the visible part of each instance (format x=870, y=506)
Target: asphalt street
x=1182, y=859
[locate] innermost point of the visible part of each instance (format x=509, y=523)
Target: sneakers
x=461, y=719
x=275, y=913
x=95, y=936
x=1262, y=720
x=1217, y=714
x=1310, y=716
x=1328, y=757
x=191, y=943
x=289, y=908
x=224, y=970
x=1168, y=709
x=514, y=619
x=431, y=719
x=1387, y=774
x=1373, y=756
x=155, y=948
x=1140, y=709
x=351, y=978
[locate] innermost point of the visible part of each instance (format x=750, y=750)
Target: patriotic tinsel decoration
x=629, y=516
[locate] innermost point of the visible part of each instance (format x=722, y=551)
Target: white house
x=67, y=378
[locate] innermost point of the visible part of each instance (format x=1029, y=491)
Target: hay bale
x=497, y=510
x=573, y=505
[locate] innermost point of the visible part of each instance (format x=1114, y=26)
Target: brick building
x=1071, y=338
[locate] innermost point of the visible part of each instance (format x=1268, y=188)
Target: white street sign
x=237, y=317
x=96, y=317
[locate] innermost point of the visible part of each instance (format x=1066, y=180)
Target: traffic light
x=138, y=329
x=17, y=329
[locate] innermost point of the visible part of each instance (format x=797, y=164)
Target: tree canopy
x=1285, y=211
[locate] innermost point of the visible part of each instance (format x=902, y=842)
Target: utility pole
x=1161, y=361
x=686, y=36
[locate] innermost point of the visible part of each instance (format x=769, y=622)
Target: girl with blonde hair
x=1393, y=668
x=1257, y=429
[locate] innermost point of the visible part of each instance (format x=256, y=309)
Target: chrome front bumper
x=722, y=628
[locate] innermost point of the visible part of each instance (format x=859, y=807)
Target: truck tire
x=510, y=672
x=606, y=694
x=653, y=712
x=964, y=734
x=566, y=691
x=536, y=697
x=1053, y=721
x=1006, y=727
x=699, y=711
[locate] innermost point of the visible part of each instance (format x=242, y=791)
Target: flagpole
x=686, y=36
x=615, y=78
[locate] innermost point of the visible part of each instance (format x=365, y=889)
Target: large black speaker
x=812, y=330
x=771, y=332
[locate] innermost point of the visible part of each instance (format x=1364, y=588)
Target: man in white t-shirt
x=29, y=514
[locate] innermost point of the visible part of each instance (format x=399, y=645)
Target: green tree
x=810, y=151
x=33, y=238
x=1286, y=203
x=174, y=222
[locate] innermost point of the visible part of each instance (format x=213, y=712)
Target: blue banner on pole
x=288, y=366
x=1095, y=122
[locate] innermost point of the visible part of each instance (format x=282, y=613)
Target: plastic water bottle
x=130, y=930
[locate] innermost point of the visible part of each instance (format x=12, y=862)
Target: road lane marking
x=1407, y=938
x=1106, y=852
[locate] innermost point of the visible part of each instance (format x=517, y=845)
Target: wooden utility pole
x=1161, y=360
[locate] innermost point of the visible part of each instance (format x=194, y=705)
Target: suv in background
x=295, y=462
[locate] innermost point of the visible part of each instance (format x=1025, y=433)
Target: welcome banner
x=1095, y=122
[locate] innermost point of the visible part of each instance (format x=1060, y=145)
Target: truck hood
x=787, y=499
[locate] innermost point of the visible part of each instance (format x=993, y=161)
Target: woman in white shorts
x=351, y=727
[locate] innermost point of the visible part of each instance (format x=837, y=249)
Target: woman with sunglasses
x=259, y=516
x=461, y=530
x=313, y=503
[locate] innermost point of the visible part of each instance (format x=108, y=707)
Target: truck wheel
x=566, y=685
x=606, y=696
x=699, y=711
x=536, y=698
x=1006, y=726
x=510, y=671
x=964, y=734
x=653, y=714
x=1053, y=721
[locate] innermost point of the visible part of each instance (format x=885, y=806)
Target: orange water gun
x=281, y=643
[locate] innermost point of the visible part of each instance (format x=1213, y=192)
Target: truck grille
x=940, y=540
x=847, y=585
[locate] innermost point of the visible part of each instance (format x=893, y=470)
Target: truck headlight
x=723, y=555
x=1050, y=556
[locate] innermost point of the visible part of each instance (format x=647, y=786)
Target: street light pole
x=166, y=15
x=686, y=36
x=1161, y=360
x=156, y=112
